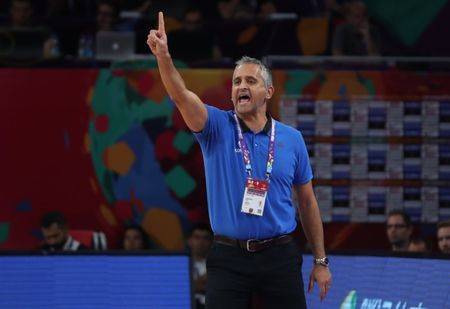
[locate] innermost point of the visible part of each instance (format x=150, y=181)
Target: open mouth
x=243, y=98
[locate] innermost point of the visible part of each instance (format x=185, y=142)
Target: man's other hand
x=322, y=276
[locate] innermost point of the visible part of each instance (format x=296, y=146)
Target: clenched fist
x=157, y=39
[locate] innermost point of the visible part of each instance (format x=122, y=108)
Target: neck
x=254, y=122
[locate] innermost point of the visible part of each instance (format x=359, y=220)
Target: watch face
x=322, y=261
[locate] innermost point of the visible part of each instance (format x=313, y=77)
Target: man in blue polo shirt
x=252, y=163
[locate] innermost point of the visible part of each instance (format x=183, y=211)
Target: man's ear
x=269, y=92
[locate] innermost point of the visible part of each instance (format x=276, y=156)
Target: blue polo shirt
x=225, y=176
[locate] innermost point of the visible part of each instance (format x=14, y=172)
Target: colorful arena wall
x=107, y=147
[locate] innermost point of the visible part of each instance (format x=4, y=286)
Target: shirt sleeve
x=211, y=131
x=303, y=173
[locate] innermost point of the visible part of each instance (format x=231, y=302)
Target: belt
x=253, y=245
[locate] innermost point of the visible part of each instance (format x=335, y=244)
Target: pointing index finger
x=161, y=22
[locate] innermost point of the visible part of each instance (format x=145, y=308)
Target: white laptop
x=115, y=45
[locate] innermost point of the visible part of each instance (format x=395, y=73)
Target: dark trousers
x=274, y=274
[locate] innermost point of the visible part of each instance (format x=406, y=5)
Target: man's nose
x=243, y=85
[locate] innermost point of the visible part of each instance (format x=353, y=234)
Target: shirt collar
x=266, y=129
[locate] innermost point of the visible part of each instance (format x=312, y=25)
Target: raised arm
x=191, y=107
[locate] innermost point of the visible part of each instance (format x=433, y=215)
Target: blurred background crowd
x=208, y=33
x=57, y=237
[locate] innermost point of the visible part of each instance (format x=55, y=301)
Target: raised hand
x=157, y=39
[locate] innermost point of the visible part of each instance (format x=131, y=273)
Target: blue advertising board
x=368, y=282
x=95, y=281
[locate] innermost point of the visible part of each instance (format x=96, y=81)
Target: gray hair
x=265, y=72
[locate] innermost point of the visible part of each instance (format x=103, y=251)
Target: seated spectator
x=443, y=236
x=107, y=16
x=20, y=14
x=334, y=14
x=22, y=38
x=199, y=243
x=266, y=8
x=135, y=238
x=106, y=20
x=399, y=230
x=417, y=245
x=234, y=9
x=65, y=8
x=192, y=42
x=56, y=237
x=95, y=240
x=356, y=36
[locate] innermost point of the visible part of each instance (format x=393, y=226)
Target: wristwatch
x=322, y=261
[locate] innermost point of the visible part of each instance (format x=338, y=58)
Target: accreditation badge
x=254, y=197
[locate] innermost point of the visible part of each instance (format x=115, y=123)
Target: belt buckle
x=248, y=245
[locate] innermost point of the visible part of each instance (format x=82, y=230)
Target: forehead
x=396, y=219
x=133, y=233
x=247, y=69
x=444, y=231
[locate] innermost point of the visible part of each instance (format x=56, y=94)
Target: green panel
x=4, y=231
x=183, y=141
x=407, y=19
x=350, y=301
x=368, y=84
x=180, y=181
x=297, y=80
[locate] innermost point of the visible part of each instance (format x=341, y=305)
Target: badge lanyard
x=246, y=152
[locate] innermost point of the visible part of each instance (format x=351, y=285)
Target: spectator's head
x=266, y=8
x=417, y=245
x=233, y=9
x=57, y=7
x=135, y=238
x=54, y=229
x=20, y=13
x=398, y=229
x=356, y=13
x=107, y=15
x=200, y=240
x=443, y=236
x=192, y=19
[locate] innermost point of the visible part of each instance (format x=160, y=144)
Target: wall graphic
x=107, y=147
